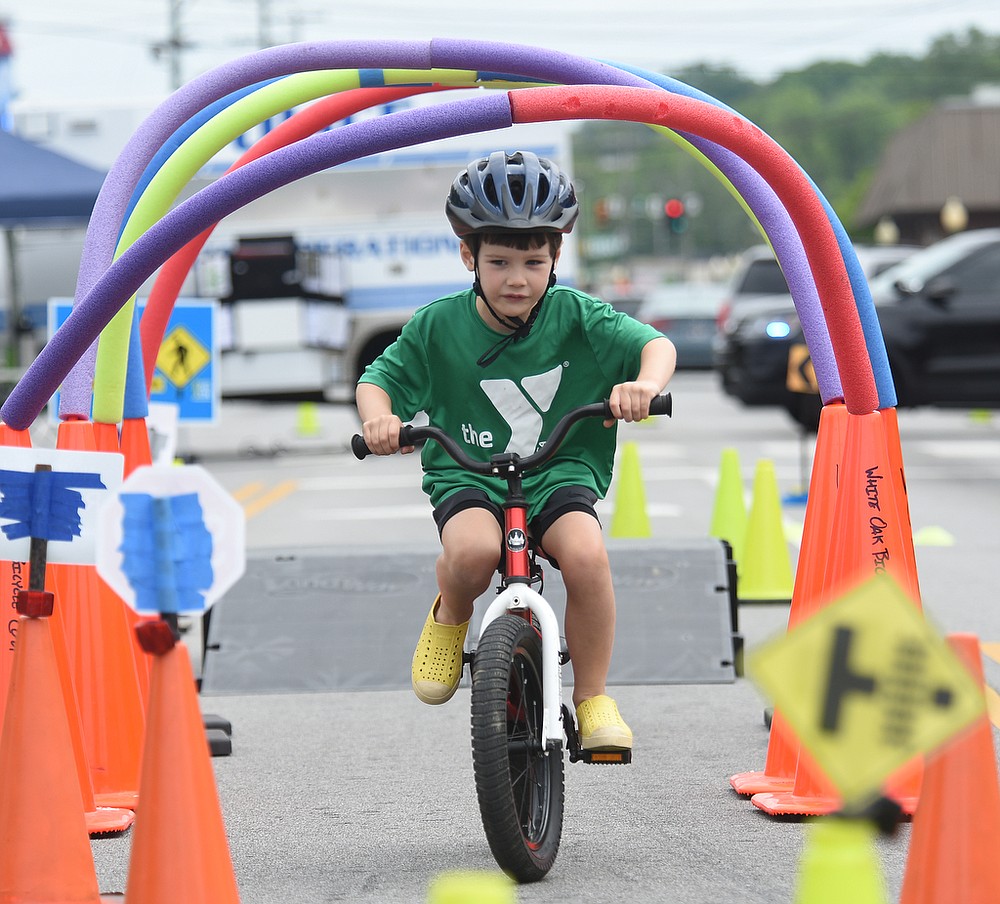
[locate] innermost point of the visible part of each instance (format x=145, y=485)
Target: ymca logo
x=522, y=406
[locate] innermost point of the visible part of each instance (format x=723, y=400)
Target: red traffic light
x=674, y=208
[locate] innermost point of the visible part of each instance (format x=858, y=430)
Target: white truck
x=317, y=279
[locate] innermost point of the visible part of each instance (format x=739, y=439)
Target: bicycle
x=519, y=721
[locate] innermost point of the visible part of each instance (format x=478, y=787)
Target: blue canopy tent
x=39, y=189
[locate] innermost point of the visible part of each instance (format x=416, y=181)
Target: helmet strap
x=520, y=330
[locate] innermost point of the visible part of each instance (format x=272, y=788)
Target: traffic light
x=674, y=209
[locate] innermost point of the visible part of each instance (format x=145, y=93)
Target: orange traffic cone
x=45, y=853
x=132, y=440
x=874, y=535
x=872, y=519
x=180, y=820
x=135, y=448
x=135, y=444
x=783, y=746
x=13, y=576
x=956, y=828
x=871, y=534
x=102, y=660
x=105, y=437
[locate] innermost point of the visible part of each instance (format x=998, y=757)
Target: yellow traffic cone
x=630, y=518
x=471, y=888
x=308, y=420
x=765, y=574
x=839, y=863
x=729, y=514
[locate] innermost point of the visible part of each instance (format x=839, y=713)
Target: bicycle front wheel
x=519, y=783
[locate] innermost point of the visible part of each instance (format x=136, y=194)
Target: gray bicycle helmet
x=518, y=191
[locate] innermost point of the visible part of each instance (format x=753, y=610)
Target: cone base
x=791, y=804
x=108, y=821
x=750, y=783
x=127, y=800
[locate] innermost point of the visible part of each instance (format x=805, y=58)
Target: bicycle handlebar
x=410, y=435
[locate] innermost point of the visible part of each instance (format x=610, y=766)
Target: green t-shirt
x=578, y=349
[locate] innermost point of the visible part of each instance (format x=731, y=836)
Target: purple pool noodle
x=234, y=190
x=112, y=201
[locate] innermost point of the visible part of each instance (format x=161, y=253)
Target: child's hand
x=630, y=401
x=381, y=435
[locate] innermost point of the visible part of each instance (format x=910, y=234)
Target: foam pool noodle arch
x=269, y=62
x=490, y=49
x=319, y=152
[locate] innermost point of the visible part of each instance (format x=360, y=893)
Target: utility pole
x=174, y=45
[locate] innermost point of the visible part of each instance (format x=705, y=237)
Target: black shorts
x=560, y=501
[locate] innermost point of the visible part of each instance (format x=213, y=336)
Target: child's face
x=512, y=280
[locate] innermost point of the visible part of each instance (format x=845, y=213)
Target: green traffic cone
x=471, y=888
x=765, y=572
x=729, y=513
x=308, y=420
x=630, y=518
x=840, y=864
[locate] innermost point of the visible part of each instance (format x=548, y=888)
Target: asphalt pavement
x=365, y=796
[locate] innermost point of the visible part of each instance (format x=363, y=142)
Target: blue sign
x=187, y=365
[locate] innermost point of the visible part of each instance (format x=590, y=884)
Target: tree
x=833, y=117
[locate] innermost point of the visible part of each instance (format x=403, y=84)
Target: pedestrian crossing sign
x=867, y=684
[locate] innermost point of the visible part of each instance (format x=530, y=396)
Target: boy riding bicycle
x=495, y=366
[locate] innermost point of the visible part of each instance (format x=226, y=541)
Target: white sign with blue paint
x=54, y=495
x=172, y=540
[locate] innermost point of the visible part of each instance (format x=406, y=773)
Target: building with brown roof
x=939, y=175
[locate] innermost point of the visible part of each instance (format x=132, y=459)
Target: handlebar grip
x=662, y=404
x=359, y=447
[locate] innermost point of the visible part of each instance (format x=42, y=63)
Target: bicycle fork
x=521, y=596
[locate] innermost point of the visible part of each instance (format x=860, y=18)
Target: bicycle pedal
x=606, y=757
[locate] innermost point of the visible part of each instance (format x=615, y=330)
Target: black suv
x=940, y=315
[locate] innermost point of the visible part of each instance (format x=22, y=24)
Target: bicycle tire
x=520, y=786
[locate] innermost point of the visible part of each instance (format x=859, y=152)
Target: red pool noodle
x=545, y=104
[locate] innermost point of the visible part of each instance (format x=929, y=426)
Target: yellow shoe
x=437, y=661
x=601, y=726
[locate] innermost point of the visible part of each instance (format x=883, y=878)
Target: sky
x=70, y=51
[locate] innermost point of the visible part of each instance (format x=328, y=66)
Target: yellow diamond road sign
x=181, y=357
x=801, y=375
x=867, y=684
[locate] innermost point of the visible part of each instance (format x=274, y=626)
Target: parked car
x=758, y=280
x=939, y=311
x=687, y=314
